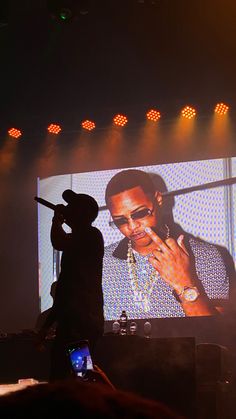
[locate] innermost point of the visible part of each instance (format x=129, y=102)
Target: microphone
x=45, y=203
x=67, y=195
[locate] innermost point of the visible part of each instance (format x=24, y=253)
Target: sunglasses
x=136, y=216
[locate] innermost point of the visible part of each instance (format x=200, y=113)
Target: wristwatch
x=189, y=294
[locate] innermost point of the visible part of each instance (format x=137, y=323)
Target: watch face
x=190, y=294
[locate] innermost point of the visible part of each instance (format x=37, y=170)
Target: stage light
x=54, y=129
x=89, y=125
x=65, y=14
x=221, y=109
x=188, y=112
x=153, y=115
x=67, y=10
x=15, y=133
x=120, y=120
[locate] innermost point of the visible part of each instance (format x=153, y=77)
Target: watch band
x=176, y=295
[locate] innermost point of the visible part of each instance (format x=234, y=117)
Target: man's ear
x=159, y=198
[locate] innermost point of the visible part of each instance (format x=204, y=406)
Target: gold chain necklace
x=141, y=295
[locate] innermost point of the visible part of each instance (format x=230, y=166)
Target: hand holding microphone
x=59, y=214
x=59, y=210
x=62, y=213
x=67, y=195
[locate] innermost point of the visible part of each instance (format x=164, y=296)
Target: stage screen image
x=205, y=218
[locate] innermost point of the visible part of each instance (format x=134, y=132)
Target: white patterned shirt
x=118, y=293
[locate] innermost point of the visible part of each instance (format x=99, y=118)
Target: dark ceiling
x=124, y=56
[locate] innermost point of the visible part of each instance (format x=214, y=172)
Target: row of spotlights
x=121, y=120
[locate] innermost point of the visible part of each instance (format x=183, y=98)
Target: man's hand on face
x=171, y=259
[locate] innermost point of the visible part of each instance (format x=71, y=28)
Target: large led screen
x=198, y=226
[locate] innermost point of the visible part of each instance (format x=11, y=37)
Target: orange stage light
x=221, y=108
x=153, y=115
x=89, y=125
x=188, y=112
x=120, y=120
x=54, y=129
x=15, y=133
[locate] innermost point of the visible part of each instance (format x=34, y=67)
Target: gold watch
x=190, y=294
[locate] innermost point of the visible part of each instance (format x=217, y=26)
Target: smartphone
x=80, y=357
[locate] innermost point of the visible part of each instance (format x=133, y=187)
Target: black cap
x=81, y=203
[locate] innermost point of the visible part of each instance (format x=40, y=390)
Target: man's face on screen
x=132, y=211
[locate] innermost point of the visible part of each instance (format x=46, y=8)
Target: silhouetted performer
x=78, y=305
